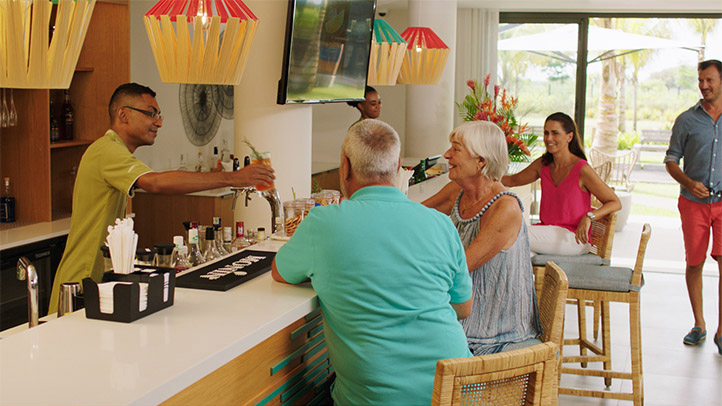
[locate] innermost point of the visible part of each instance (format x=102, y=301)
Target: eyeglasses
x=155, y=115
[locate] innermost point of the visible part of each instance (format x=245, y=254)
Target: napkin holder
x=127, y=297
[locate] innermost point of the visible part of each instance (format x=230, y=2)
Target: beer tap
x=271, y=196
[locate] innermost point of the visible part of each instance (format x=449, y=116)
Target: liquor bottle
x=211, y=251
x=218, y=231
x=183, y=166
x=7, y=203
x=240, y=242
x=227, y=239
x=420, y=175
x=216, y=161
x=54, y=126
x=67, y=117
x=195, y=256
x=200, y=167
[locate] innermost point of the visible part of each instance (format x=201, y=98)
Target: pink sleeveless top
x=563, y=205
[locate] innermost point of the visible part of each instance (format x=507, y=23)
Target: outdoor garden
x=627, y=90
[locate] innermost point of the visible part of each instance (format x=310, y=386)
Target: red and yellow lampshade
x=426, y=56
x=201, y=41
x=29, y=58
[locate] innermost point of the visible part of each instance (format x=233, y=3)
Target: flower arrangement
x=481, y=105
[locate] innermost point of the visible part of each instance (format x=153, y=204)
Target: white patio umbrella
x=611, y=42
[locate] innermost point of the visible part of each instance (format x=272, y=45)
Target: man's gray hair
x=486, y=140
x=373, y=148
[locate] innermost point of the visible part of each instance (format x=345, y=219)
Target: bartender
x=109, y=172
x=369, y=108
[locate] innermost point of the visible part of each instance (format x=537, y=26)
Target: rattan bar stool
x=602, y=238
x=609, y=284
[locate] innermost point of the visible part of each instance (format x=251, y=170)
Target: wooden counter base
x=289, y=367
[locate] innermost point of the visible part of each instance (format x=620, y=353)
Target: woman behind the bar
x=567, y=183
x=369, y=108
x=490, y=224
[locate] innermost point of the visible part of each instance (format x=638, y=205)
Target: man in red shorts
x=697, y=137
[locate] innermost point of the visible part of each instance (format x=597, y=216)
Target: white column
x=283, y=130
x=430, y=109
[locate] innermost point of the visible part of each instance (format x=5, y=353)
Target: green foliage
x=627, y=140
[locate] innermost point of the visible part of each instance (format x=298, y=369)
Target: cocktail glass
x=263, y=158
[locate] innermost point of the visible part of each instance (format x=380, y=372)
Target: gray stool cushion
x=596, y=277
x=591, y=259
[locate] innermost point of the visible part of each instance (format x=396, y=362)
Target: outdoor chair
x=600, y=254
x=622, y=165
x=527, y=376
x=604, y=171
x=608, y=284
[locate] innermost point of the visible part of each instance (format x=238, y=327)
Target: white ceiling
x=666, y=6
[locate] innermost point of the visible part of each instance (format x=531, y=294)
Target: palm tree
x=703, y=26
x=605, y=138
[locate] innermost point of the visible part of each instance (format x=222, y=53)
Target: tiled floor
x=674, y=374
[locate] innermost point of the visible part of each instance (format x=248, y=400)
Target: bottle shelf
x=71, y=143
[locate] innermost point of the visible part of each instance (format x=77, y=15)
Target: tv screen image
x=326, y=55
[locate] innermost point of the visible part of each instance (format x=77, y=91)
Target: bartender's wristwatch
x=591, y=215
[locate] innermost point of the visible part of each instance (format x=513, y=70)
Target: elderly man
x=697, y=137
x=390, y=275
x=109, y=172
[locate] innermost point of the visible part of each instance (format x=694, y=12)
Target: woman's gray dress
x=505, y=307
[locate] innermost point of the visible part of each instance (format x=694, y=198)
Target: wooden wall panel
x=159, y=217
x=25, y=151
x=107, y=51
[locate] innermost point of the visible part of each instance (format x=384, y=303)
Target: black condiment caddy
x=126, y=298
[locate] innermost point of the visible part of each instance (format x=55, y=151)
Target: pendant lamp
x=387, y=54
x=425, y=58
x=220, y=43
x=26, y=59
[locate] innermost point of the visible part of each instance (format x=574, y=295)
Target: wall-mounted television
x=326, y=55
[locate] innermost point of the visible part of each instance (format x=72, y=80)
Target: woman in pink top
x=567, y=183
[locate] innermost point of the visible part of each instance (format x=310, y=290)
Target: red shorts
x=697, y=219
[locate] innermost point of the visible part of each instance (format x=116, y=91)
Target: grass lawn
x=668, y=190
x=666, y=206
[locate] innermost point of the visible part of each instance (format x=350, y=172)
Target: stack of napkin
x=402, y=179
x=105, y=292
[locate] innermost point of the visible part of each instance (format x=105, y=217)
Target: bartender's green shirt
x=106, y=176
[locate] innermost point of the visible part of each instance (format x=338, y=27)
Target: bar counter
x=164, y=356
x=79, y=361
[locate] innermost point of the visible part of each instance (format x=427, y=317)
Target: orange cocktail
x=262, y=158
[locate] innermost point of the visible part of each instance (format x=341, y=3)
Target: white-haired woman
x=494, y=234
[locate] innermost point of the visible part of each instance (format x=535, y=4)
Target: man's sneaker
x=718, y=341
x=695, y=336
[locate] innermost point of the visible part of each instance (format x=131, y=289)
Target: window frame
x=582, y=19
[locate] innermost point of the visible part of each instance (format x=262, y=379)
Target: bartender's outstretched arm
x=181, y=182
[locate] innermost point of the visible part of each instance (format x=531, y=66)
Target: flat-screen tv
x=326, y=56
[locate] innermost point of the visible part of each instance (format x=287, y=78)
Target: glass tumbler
x=293, y=213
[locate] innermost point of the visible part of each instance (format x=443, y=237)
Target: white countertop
x=29, y=234
x=79, y=361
